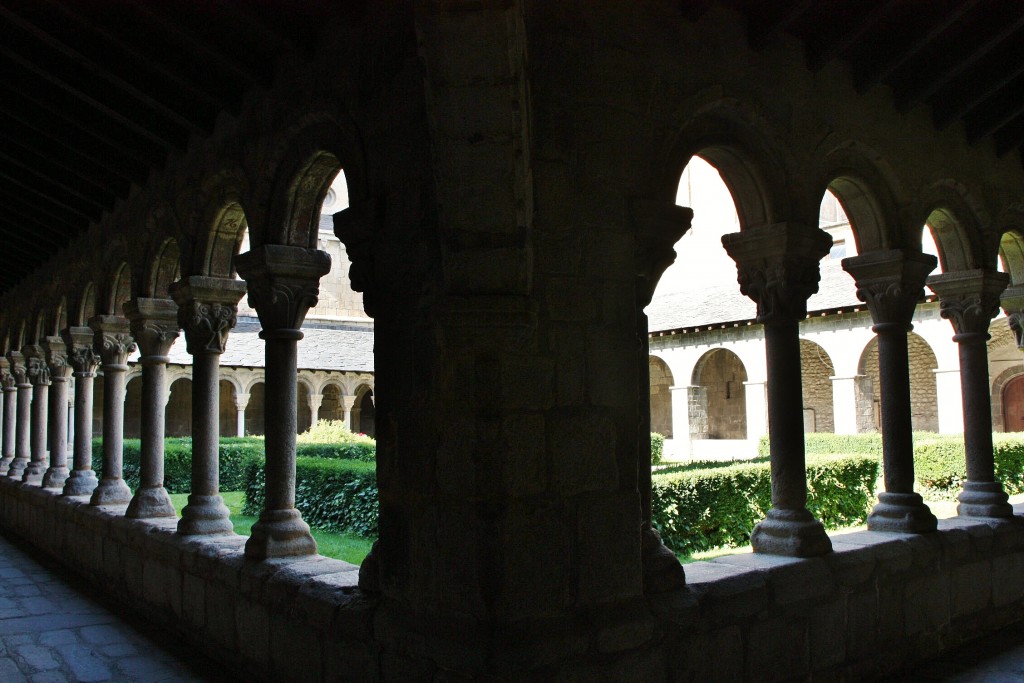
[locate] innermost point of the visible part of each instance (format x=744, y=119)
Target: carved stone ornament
x=658, y=225
x=355, y=227
x=284, y=283
x=1016, y=322
x=38, y=372
x=891, y=283
x=7, y=380
x=969, y=299
x=112, y=339
x=777, y=268
x=154, y=325
x=207, y=311
x=18, y=369
x=56, y=357
x=81, y=355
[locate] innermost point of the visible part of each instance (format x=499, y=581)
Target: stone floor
x=993, y=659
x=53, y=630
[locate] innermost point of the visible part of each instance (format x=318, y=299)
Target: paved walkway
x=997, y=658
x=53, y=631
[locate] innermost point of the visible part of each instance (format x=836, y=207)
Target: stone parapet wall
x=271, y=621
x=879, y=601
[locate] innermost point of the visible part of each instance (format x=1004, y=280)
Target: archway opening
x=661, y=397
x=133, y=408
x=923, y=389
x=364, y=412
x=718, y=405
x=226, y=409
x=178, y=416
x=816, y=368
x=331, y=407
x=254, y=424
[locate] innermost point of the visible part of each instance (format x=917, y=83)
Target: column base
x=17, y=468
x=111, y=492
x=55, y=477
x=205, y=515
x=5, y=464
x=149, y=502
x=793, y=533
x=902, y=512
x=34, y=472
x=983, y=499
x=80, y=483
x=662, y=571
x=279, y=533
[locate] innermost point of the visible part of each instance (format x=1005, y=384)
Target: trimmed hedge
x=235, y=454
x=830, y=444
x=336, y=495
x=332, y=439
x=698, y=510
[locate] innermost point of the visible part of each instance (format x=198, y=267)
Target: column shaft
x=785, y=416
x=10, y=417
x=36, y=468
x=57, y=474
x=82, y=479
x=151, y=499
x=897, y=429
x=112, y=489
x=22, y=446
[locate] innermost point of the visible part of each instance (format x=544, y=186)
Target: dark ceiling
x=94, y=94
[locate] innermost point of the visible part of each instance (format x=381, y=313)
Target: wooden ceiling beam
x=78, y=68
x=49, y=195
x=41, y=177
x=75, y=184
x=850, y=36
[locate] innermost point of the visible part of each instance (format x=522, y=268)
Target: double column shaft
x=22, y=421
x=39, y=377
x=114, y=343
x=81, y=480
x=57, y=361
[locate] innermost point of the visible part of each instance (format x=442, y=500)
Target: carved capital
x=154, y=324
x=207, y=311
x=18, y=368
x=777, y=267
x=112, y=339
x=659, y=225
x=6, y=378
x=81, y=355
x=35, y=363
x=1012, y=302
x=56, y=357
x=355, y=226
x=969, y=299
x=284, y=283
x=891, y=283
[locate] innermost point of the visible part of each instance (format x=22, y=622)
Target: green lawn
x=347, y=547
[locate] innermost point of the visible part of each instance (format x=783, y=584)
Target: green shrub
x=336, y=495
x=332, y=439
x=830, y=444
x=234, y=454
x=657, y=448
x=702, y=509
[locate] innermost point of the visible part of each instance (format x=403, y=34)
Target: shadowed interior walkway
x=54, y=630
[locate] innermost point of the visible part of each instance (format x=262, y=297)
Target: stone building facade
x=512, y=171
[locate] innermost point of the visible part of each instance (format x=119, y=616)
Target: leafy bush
x=332, y=439
x=830, y=444
x=701, y=509
x=657, y=448
x=336, y=495
x=235, y=453
x=941, y=466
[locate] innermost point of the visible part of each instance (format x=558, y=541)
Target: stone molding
x=778, y=268
x=891, y=283
x=1012, y=301
x=154, y=325
x=81, y=354
x=283, y=282
x=207, y=311
x=659, y=225
x=35, y=365
x=56, y=358
x=355, y=226
x=969, y=299
x=112, y=339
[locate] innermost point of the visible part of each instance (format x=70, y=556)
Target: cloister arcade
x=512, y=170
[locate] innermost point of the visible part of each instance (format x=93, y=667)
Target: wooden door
x=1013, y=405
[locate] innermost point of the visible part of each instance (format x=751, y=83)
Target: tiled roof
x=719, y=302
x=323, y=347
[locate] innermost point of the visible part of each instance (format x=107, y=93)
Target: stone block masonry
x=879, y=601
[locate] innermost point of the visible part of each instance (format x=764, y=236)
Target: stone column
x=283, y=284
x=891, y=283
x=113, y=342
x=39, y=377
x=154, y=325
x=241, y=402
x=207, y=310
x=78, y=340
x=778, y=269
x=969, y=300
x=57, y=361
x=10, y=415
x=844, y=404
x=315, y=401
x=347, y=402
x=22, y=418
